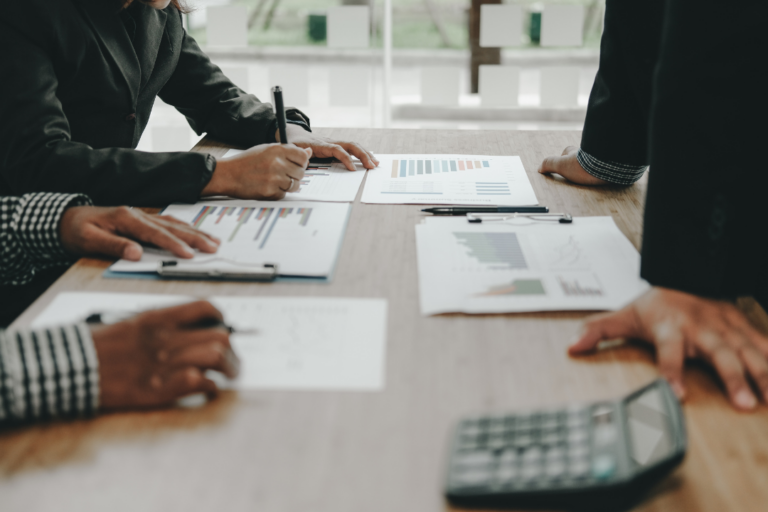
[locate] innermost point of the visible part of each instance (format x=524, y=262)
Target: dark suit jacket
x=705, y=211
x=616, y=126
x=75, y=96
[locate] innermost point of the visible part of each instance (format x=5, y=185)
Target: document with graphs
x=525, y=265
x=302, y=238
x=449, y=179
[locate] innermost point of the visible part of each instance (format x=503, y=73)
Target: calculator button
x=532, y=454
x=604, y=435
x=555, y=453
x=531, y=471
x=578, y=468
x=523, y=441
x=475, y=459
x=555, y=469
x=506, y=475
x=496, y=441
x=603, y=466
x=579, y=451
x=474, y=477
x=577, y=436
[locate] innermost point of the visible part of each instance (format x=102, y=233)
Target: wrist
x=219, y=183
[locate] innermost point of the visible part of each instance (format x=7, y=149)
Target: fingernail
x=132, y=252
x=187, y=250
x=745, y=399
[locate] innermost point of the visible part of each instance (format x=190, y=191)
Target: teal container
x=317, y=26
x=535, y=29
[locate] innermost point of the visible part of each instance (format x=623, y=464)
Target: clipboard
x=177, y=270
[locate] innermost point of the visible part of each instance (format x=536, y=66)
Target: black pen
x=277, y=97
x=113, y=317
x=463, y=210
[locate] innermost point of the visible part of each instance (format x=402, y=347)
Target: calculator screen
x=649, y=427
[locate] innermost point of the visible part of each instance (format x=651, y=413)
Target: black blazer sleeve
x=705, y=211
x=214, y=105
x=37, y=151
x=616, y=126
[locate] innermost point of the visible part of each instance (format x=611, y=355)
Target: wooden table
x=281, y=451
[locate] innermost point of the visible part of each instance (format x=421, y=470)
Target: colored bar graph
x=204, y=213
x=453, y=165
x=445, y=165
x=436, y=166
x=461, y=165
x=305, y=213
x=395, y=164
x=420, y=167
x=402, y=168
x=264, y=213
x=406, y=168
x=428, y=167
x=224, y=211
x=411, y=167
x=469, y=165
x=486, y=164
x=245, y=214
x=477, y=164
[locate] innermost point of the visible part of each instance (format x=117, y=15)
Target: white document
x=302, y=239
x=449, y=179
x=299, y=343
x=506, y=267
x=326, y=182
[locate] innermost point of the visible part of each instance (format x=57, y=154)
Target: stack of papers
x=287, y=342
x=449, y=179
x=302, y=239
x=502, y=267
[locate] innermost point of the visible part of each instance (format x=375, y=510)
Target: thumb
x=620, y=324
x=550, y=164
x=107, y=244
x=309, y=151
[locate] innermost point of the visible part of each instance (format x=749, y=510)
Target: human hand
x=324, y=147
x=159, y=356
x=683, y=326
x=568, y=166
x=267, y=171
x=97, y=230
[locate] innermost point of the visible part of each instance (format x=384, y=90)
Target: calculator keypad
x=551, y=449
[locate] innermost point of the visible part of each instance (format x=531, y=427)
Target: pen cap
x=277, y=98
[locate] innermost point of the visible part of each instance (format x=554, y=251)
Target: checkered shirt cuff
x=612, y=172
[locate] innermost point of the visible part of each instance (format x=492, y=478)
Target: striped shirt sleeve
x=612, y=172
x=48, y=373
x=29, y=234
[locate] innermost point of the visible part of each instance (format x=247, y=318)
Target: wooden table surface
x=288, y=451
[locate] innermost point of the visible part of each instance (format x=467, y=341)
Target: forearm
x=110, y=177
x=29, y=234
x=47, y=373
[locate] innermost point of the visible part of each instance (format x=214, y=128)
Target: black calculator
x=599, y=456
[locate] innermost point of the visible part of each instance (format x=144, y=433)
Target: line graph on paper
x=569, y=256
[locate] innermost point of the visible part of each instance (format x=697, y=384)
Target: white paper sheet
x=536, y=266
x=303, y=239
x=449, y=179
x=300, y=343
x=326, y=182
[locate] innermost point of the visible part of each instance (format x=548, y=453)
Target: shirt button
x=130, y=118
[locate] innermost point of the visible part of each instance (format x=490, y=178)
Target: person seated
x=702, y=236
x=44, y=232
x=78, y=89
x=150, y=360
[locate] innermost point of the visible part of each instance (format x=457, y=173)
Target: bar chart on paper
x=449, y=179
x=325, y=182
x=485, y=268
x=303, y=239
